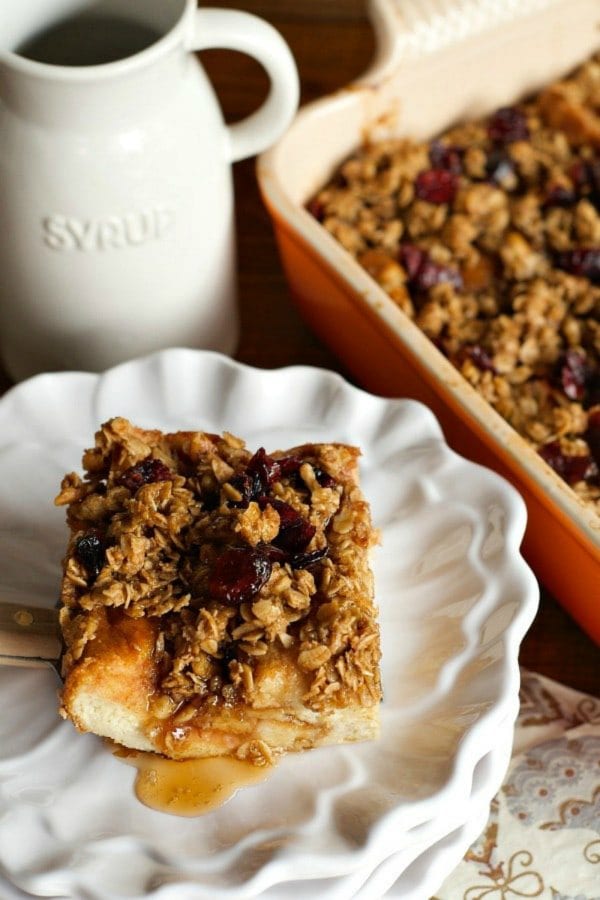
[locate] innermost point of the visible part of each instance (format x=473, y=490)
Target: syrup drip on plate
x=190, y=787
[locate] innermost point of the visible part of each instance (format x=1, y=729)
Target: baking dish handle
x=409, y=29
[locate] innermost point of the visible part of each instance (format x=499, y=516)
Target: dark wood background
x=333, y=43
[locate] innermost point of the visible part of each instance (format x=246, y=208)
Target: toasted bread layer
x=108, y=694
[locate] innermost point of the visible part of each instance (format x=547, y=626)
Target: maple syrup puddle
x=189, y=787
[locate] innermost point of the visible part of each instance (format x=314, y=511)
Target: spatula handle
x=29, y=636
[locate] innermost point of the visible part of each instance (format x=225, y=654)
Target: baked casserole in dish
x=438, y=224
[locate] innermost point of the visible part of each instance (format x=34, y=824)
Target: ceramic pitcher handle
x=234, y=30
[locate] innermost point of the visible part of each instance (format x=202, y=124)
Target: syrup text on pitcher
x=107, y=233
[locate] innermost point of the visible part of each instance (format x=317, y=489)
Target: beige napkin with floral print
x=543, y=835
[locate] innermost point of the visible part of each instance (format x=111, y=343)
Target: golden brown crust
x=117, y=672
x=287, y=663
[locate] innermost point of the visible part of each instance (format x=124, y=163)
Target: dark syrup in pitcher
x=88, y=40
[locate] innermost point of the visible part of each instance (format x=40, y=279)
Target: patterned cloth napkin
x=543, y=835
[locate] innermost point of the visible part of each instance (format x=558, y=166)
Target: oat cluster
x=489, y=239
x=241, y=559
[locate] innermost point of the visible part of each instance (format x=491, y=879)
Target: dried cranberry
x=432, y=273
x=570, y=468
x=145, y=472
x=508, y=124
x=89, y=550
x=287, y=514
x=552, y=454
x=573, y=372
x=295, y=560
x=316, y=209
x=275, y=554
x=423, y=273
x=445, y=156
x=295, y=537
x=584, y=261
x=324, y=478
x=266, y=469
x=249, y=486
x=560, y=195
x=305, y=560
x=500, y=168
x=295, y=532
x=290, y=465
x=581, y=468
x=436, y=185
x=481, y=358
x=238, y=574
x=412, y=258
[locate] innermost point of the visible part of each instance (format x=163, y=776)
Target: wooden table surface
x=332, y=43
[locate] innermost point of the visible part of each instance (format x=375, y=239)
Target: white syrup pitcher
x=116, y=194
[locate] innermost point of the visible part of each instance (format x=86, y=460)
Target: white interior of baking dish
x=438, y=62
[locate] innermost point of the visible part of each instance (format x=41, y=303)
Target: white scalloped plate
x=435, y=847
x=455, y=598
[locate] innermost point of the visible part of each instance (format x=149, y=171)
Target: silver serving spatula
x=29, y=636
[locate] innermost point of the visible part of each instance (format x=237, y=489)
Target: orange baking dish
x=456, y=61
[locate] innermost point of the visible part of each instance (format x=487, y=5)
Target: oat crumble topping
x=489, y=239
x=233, y=554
